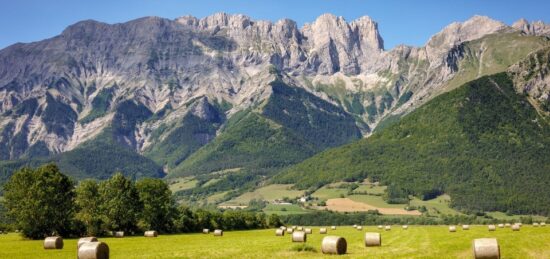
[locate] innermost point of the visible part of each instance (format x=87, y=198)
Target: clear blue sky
x=408, y=22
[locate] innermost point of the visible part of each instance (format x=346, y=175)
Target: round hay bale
x=519, y=223
x=515, y=227
x=308, y=231
x=491, y=227
x=405, y=227
x=388, y=228
x=354, y=225
x=279, y=232
x=300, y=228
x=535, y=224
x=543, y=224
x=283, y=228
x=93, y=250
x=218, y=232
x=119, y=234
x=299, y=236
x=500, y=225
x=373, y=239
x=53, y=243
x=293, y=227
x=333, y=227
x=151, y=233
x=486, y=248
x=359, y=228
x=85, y=240
x=290, y=230
x=334, y=245
x=465, y=227
x=507, y=225
x=206, y=231
x=322, y=231
x=380, y=227
x=452, y=228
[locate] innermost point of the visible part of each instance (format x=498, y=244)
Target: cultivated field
x=349, y=205
x=416, y=242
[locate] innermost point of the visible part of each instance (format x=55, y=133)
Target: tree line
x=43, y=201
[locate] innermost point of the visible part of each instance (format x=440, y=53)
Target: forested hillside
x=482, y=143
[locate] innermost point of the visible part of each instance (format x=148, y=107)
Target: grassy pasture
x=183, y=183
x=284, y=209
x=268, y=193
x=417, y=242
x=325, y=193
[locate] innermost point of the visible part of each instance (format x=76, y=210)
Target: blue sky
x=400, y=22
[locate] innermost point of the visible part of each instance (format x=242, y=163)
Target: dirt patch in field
x=348, y=205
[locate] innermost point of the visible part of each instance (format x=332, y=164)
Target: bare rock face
x=533, y=28
x=456, y=33
x=85, y=77
x=531, y=77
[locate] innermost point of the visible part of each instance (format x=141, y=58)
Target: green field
x=284, y=209
x=371, y=189
x=376, y=201
x=326, y=193
x=417, y=242
x=182, y=183
x=268, y=193
x=439, y=205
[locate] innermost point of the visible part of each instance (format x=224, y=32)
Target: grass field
x=439, y=205
x=268, y=193
x=417, y=242
x=284, y=209
x=375, y=201
x=325, y=193
x=183, y=183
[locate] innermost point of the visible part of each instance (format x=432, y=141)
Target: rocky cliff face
x=135, y=78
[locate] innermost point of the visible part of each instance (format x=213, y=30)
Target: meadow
x=416, y=242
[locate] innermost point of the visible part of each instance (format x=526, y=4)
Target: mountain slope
x=288, y=127
x=482, y=143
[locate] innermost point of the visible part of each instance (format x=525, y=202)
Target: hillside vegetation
x=482, y=143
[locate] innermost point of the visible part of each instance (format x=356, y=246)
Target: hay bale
x=380, y=227
x=85, y=240
x=308, y=231
x=388, y=228
x=53, y=243
x=290, y=230
x=300, y=228
x=405, y=227
x=283, y=228
x=334, y=245
x=151, y=233
x=500, y=225
x=93, y=250
x=333, y=227
x=515, y=227
x=218, y=232
x=492, y=227
x=206, y=231
x=354, y=225
x=519, y=224
x=294, y=227
x=279, y=232
x=465, y=227
x=119, y=234
x=299, y=236
x=507, y=225
x=452, y=228
x=486, y=248
x=373, y=239
x=535, y=224
x=322, y=231
x=359, y=228
x=543, y=224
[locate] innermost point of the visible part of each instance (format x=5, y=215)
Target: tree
x=41, y=201
x=158, y=206
x=121, y=205
x=88, y=202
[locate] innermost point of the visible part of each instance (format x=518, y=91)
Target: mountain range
x=170, y=98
